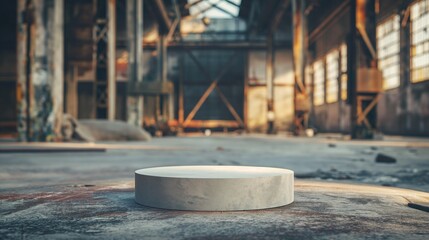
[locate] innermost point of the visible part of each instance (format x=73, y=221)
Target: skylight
x=214, y=8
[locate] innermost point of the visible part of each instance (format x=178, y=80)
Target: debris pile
x=93, y=130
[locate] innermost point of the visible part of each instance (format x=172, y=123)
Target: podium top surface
x=213, y=172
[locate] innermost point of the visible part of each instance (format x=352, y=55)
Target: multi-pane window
x=420, y=41
x=388, y=51
x=214, y=8
x=343, y=53
x=319, y=83
x=332, y=71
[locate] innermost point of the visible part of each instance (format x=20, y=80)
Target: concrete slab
x=321, y=210
x=214, y=188
x=87, y=195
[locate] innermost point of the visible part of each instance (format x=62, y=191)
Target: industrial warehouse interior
x=214, y=119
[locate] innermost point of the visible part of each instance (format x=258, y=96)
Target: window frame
x=316, y=82
x=343, y=72
x=394, y=80
x=411, y=33
x=335, y=53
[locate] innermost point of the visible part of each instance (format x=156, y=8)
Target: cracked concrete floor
x=90, y=194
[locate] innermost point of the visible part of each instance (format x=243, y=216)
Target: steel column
x=352, y=67
x=135, y=64
x=301, y=99
x=361, y=46
x=111, y=59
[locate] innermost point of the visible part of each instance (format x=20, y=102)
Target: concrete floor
x=90, y=194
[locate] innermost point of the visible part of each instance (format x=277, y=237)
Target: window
x=420, y=41
x=319, y=83
x=388, y=51
x=332, y=71
x=343, y=53
x=214, y=8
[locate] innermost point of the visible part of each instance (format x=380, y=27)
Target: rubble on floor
x=93, y=130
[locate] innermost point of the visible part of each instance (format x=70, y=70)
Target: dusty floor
x=90, y=194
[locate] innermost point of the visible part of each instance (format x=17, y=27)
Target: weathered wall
x=257, y=92
x=333, y=117
x=330, y=117
x=403, y=110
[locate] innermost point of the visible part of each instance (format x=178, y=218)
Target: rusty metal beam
x=367, y=41
x=299, y=31
x=230, y=107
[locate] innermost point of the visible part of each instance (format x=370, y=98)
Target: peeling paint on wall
x=46, y=71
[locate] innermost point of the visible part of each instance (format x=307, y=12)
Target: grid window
x=332, y=71
x=319, y=83
x=420, y=41
x=388, y=51
x=343, y=52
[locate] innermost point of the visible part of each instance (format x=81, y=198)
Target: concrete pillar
x=21, y=75
x=111, y=59
x=40, y=69
x=57, y=64
x=135, y=63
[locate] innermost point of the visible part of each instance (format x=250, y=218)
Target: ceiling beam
x=189, y=5
x=242, y=45
x=225, y=11
x=211, y=5
x=232, y=3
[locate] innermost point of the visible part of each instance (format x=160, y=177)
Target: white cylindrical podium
x=214, y=188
